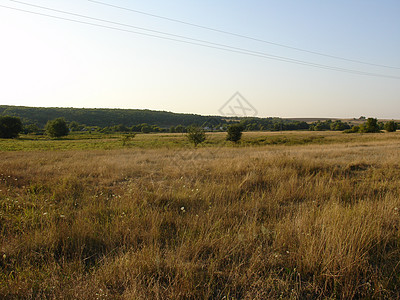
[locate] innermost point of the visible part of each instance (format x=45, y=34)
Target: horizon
x=204, y=115
x=293, y=60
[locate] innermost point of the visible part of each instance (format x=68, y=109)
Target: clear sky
x=52, y=62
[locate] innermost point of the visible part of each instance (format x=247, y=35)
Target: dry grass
x=313, y=221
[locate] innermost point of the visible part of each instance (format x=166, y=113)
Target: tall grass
x=306, y=221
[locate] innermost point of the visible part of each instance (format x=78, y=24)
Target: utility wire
x=285, y=59
x=219, y=46
x=244, y=36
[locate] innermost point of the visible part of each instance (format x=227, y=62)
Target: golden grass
x=306, y=221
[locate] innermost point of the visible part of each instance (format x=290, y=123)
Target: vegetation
x=196, y=135
x=110, y=121
x=234, y=133
x=102, y=117
x=306, y=221
x=135, y=120
x=127, y=138
x=10, y=127
x=370, y=126
x=57, y=128
x=390, y=126
x=337, y=125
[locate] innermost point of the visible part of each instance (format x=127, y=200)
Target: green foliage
x=180, y=128
x=146, y=128
x=10, y=127
x=74, y=126
x=273, y=124
x=370, y=126
x=126, y=139
x=234, y=133
x=196, y=135
x=321, y=125
x=57, y=128
x=339, y=126
x=31, y=128
x=390, y=126
x=105, y=117
x=353, y=129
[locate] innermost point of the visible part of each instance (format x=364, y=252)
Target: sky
x=48, y=61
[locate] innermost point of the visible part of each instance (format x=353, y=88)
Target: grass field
x=297, y=215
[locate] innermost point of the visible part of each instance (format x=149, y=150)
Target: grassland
x=294, y=216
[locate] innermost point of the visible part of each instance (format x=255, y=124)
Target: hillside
x=103, y=117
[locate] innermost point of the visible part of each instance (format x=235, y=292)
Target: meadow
x=292, y=215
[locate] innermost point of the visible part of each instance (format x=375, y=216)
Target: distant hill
x=311, y=120
x=103, y=117
x=129, y=118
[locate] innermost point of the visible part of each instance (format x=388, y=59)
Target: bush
x=234, y=133
x=370, y=126
x=390, y=126
x=353, y=129
x=146, y=129
x=196, y=135
x=10, y=127
x=339, y=126
x=57, y=128
x=31, y=128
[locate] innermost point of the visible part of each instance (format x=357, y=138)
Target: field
x=296, y=215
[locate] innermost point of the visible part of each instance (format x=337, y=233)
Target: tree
x=370, y=126
x=10, y=127
x=145, y=128
x=390, y=126
x=57, y=128
x=180, y=128
x=338, y=125
x=31, y=128
x=75, y=126
x=127, y=138
x=195, y=135
x=234, y=133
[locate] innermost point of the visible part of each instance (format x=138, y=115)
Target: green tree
x=195, y=135
x=10, y=127
x=127, y=138
x=180, y=128
x=145, y=128
x=234, y=133
x=370, y=126
x=57, y=127
x=390, y=126
x=338, y=125
x=31, y=128
x=75, y=126
x=353, y=129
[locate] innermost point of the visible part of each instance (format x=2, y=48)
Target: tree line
x=11, y=126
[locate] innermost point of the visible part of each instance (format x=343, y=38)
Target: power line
x=211, y=45
x=244, y=36
x=241, y=50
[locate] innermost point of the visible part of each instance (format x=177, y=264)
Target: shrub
x=57, y=128
x=196, y=135
x=390, y=126
x=10, y=127
x=146, y=129
x=234, y=133
x=370, y=126
x=353, y=129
